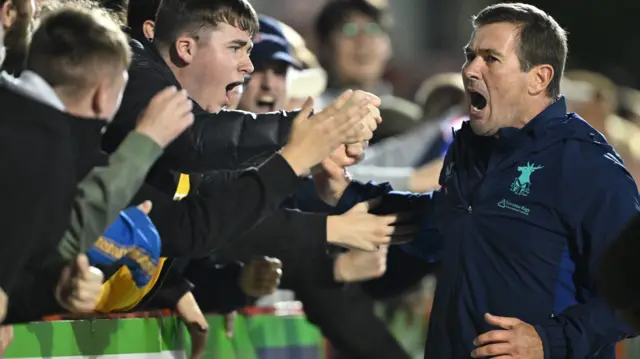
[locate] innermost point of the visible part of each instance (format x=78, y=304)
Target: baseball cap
x=131, y=240
x=270, y=44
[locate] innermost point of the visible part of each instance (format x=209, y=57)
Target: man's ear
x=9, y=14
x=148, y=29
x=99, y=99
x=185, y=48
x=539, y=78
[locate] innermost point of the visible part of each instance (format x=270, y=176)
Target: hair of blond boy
x=75, y=47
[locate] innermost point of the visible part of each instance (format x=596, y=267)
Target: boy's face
x=266, y=91
x=217, y=63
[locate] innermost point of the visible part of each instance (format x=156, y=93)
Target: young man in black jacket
x=41, y=164
x=208, y=62
x=263, y=188
x=225, y=140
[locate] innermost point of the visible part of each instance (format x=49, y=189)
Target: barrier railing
x=271, y=333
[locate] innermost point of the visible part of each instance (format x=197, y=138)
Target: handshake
x=349, y=120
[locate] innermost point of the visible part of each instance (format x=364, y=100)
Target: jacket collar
x=33, y=86
x=511, y=136
x=147, y=51
x=555, y=111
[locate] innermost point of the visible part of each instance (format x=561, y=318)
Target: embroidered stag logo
x=522, y=183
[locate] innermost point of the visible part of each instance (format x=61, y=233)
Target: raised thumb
x=370, y=204
x=81, y=265
x=145, y=207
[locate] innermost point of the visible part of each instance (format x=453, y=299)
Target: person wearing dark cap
x=337, y=311
x=271, y=57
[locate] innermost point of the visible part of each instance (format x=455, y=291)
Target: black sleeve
x=214, y=141
x=305, y=198
x=199, y=224
x=32, y=189
x=341, y=312
x=298, y=239
x=171, y=290
x=34, y=295
x=216, y=287
x=403, y=273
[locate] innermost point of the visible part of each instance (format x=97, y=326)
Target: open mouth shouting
x=477, y=104
x=230, y=87
x=266, y=103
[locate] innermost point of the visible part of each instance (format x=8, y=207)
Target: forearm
x=199, y=224
x=217, y=289
x=227, y=140
x=581, y=331
x=398, y=177
x=188, y=309
x=106, y=191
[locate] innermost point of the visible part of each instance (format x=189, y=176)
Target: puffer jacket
x=223, y=140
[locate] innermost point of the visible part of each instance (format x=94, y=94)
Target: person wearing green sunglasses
x=354, y=46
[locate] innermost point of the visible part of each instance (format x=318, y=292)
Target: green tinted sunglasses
x=352, y=29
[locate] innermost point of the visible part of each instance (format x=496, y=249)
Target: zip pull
x=469, y=209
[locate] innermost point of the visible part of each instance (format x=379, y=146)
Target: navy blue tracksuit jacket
x=518, y=226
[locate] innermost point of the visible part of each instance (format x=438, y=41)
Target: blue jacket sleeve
x=428, y=243
x=306, y=199
x=599, y=209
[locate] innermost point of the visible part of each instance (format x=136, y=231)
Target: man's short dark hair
x=138, y=12
x=542, y=40
x=176, y=17
x=74, y=43
x=336, y=12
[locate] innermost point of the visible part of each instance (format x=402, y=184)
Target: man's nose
x=246, y=66
x=472, y=69
x=267, y=79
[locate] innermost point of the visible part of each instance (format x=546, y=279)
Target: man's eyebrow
x=242, y=43
x=489, y=51
x=239, y=43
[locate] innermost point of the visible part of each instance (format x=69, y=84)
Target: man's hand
x=425, y=178
x=355, y=265
x=4, y=304
x=373, y=118
x=230, y=323
x=331, y=178
x=517, y=339
x=359, y=229
x=197, y=326
x=6, y=337
x=167, y=116
x=260, y=277
x=353, y=154
x=145, y=207
x=79, y=287
x=313, y=139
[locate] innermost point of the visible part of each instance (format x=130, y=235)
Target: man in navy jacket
x=530, y=197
